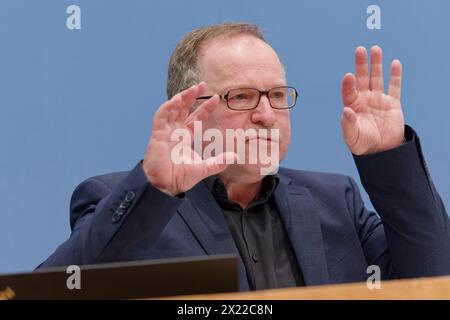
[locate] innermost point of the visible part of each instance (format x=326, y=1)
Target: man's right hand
x=158, y=166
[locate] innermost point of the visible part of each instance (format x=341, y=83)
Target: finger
x=350, y=129
x=189, y=96
x=174, y=114
x=349, y=90
x=178, y=106
x=362, y=69
x=164, y=113
x=376, y=69
x=190, y=101
x=203, y=111
x=395, y=83
x=217, y=164
x=186, y=98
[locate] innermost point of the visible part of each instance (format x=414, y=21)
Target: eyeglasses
x=248, y=98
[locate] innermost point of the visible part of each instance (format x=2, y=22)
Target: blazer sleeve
x=104, y=216
x=412, y=239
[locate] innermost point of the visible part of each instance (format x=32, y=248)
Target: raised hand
x=159, y=167
x=372, y=121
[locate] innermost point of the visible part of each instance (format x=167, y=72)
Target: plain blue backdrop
x=77, y=103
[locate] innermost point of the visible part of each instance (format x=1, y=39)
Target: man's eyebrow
x=242, y=85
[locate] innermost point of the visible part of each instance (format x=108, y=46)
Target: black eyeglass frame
x=265, y=92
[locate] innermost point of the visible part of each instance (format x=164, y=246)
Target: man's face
x=244, y=61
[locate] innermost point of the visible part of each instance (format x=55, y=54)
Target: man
x=292, y=228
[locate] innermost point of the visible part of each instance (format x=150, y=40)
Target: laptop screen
x=126, y=280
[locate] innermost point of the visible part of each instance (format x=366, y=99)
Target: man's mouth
x=261, y=139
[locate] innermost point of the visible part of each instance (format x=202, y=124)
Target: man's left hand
x=372, y=121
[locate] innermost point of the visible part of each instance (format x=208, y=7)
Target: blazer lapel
x=206, y=220
x=300, y=217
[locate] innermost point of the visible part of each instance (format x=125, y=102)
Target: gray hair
x=184, y=69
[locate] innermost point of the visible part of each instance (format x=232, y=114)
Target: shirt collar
x=218, y=190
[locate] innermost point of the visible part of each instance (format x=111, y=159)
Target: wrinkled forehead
x=231, y=57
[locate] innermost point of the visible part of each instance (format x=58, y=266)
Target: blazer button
x=116, y=217
x=124, y=204
x=130, y=196
x=121, y=210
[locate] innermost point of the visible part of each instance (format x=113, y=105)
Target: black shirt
x=260, y=237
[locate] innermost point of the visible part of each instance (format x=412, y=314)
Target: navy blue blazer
x=121, y=217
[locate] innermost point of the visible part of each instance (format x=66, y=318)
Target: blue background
x=77, y=103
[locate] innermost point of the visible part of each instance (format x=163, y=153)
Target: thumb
x=217, y=164
x=350, y=129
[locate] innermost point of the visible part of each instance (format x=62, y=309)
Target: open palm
x=372, y=121
x=176, y=175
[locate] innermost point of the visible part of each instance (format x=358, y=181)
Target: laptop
x=126, y=280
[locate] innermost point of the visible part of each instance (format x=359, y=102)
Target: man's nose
x=264, y=114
